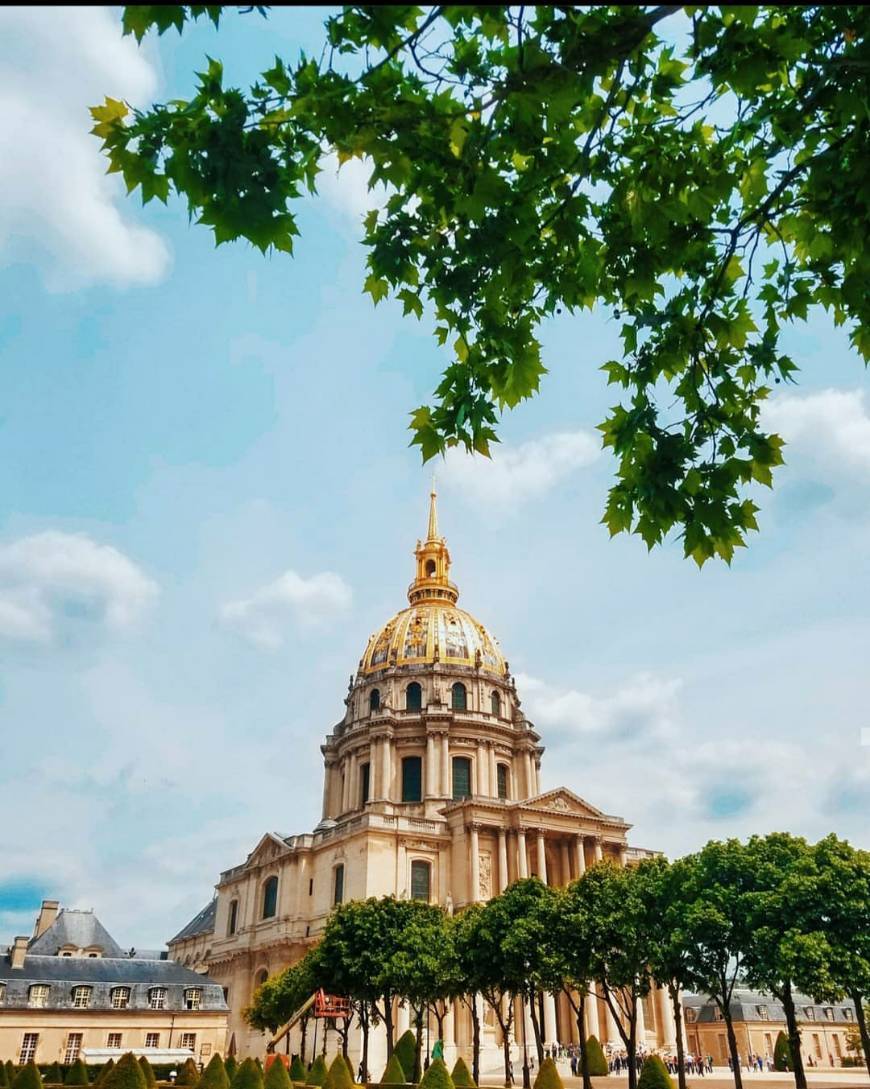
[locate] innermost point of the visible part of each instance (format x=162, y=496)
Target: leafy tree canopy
x=700, y=172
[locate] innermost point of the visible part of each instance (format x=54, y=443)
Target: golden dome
x=433, y=628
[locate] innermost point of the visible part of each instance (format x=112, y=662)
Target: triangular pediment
x=563, y=800
x=270, y=848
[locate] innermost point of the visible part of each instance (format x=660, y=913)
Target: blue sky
x=208, y=503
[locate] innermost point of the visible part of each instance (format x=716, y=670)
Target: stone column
x=527, y=765
x=327, y=775
x=542, y=858
x=375, y=792
x=403, y=1020
x=449, y=1029
x=592, y=1026
x=599, y=851
x=431, y=767
x=623, y=854
x=444, y=789
x=667, y=1025
x=537, y=776
x=565, y=875
x=581, y=857
x=522, y=856
x=613, y=1036
x=549, y=1019
x=641, y=1024
x=386, y=768
x=475, y=864
x=482, y=768
x=502, y=860
x=493, y=772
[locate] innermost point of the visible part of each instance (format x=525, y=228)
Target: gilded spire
x=433, y=514
x=433, y=564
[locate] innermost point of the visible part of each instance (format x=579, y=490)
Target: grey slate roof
x=745, y=1007
x=202, y=923
x=79, y=928
x=103, y=974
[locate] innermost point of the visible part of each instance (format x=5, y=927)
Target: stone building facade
x=70, y=991
x=431, y=790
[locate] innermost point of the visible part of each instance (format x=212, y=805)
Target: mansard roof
x=81, y=929
x=201, y=923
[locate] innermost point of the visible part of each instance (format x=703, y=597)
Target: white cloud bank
x=52, y=579
x=831, y=426
x=518, y=473
x=310, y=602
x=58, y=208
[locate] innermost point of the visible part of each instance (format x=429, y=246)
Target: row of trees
x=775, y=913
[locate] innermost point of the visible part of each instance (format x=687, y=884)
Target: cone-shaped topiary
x=77, y=1074
x=338, y=1077
x=105, y=1070
x=782, y=1053
x=297, y=1069
x=406, y=1051
x=188, y=1074
x=248, y=1076
x=54, y=1075
x=127, y=1073
x=231, y=1066
x=654, y=1074
x=317, y=1074
x=548, y=1076
x=277, y=1076
x=147, y=1072
x=437, y=1076
x=394, y=1074
x=4, y=1076
x=214, y=1076
x=349, y=1067
x=28, y=1077
x=461, y=1075
x=596, y=1058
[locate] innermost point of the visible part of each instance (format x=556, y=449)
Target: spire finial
x=433, y=513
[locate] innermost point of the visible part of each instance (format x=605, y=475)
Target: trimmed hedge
x=77, y=1074
x=147, y=1072
x=596, y=1058
x=338, y=1076
x=231, y=1066
x=4, y=1077
x=782, y=1053
x=548, y=1076
x=127, y=1073
x=406, y=1051
x=317, y=1074
x=53, y=1074
x=105, y=1070
x=248, y=1076
x=461, y=1075
x=28, y=1077
x=437, y=1076
x=188, y=1074
x=214, y=1076
x=654, y=1074
x=277, y=1076
x=394, y=1074
x=297, y=1069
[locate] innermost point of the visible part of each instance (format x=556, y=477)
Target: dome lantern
x=433, y=565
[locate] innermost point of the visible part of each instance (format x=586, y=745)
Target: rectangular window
x=157, y=998
x=817, y=1045
x=193, y=998
x=28, y=1048
x=120, y=998
x=412, y=779
x=502, y=775
x=420, y=880
x=837, y=1050
x=38, y=996
x=152, y=1039
x=461, y=777
x=310, y=886
x=364, y=783
x=763, y=1013
x=81, y=998
x=234, y=917
x=338, y=893
x=73, y=1047
x=768, y=1044
x=205, y=1050
x=188, y=1040
x=113, y=1039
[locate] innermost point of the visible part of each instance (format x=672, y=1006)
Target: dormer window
x=81, y=997
x=120, y=998
x=193, y=998
x=37, y=996
x=157, y=999
x=691, y=1015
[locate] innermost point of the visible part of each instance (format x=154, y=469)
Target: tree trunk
x=418, y=1042
x=632, y=1042
x=536, y=1026
x=794, y=1038
x=304, y=1027
x=388, y=1024
x=581, y=1036
x=364, y=1022
x=732, y=1046
x=858, y=999
x=495, y=1003
x=475, y=1042
x=674, y=993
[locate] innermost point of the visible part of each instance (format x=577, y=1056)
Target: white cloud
x=345, y=187
x=263, y=616
x=832, y=427
x=49, y=580
x=58, y=208
x=517, y=473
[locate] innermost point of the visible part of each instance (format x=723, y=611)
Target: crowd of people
x=697, y=1065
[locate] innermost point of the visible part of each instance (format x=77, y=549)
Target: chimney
x=18, y=952
x=45, y=918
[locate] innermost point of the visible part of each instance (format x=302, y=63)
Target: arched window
x=430, y=569
x=459, y=701
x=421, y=880
x=261, y=977
x=338, y=885
x=374, y=700
x=502, y=776
x=270, y=898
x=413, y=697
x=461, y=777
x=233, y=921
x=495, y=704
x=412, y=779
